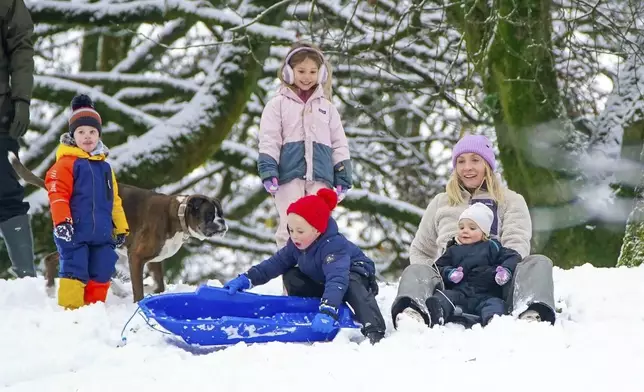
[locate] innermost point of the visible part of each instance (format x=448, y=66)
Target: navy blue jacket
x=479, y=262
x=327, y=261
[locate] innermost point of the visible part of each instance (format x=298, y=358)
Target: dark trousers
x=12, y=194
x=482, y=305
x=360, y=296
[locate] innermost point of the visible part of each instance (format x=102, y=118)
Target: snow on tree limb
x=242, y=244
x=57, y=86
x=122, y=80
x=257, y=234
x=188, y=137
x=624, y=106
x=147, y=11
x=399, y=72
x=148, y=51
x=356, y=200
x=183, y=142
x=363, y=200
x=49, y=88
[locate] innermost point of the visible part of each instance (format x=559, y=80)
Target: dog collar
x=183, y=204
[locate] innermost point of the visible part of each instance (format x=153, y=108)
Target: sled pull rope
x=123, y=338
x=147, y=321
x=448, y=300
x=438, y=272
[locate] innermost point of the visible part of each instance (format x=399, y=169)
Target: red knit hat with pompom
x=315, y=209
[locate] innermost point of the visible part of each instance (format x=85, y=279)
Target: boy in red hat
x=317, y=261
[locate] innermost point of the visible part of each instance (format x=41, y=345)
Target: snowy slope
x=596, y=345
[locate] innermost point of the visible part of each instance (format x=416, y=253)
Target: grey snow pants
x=532, y=288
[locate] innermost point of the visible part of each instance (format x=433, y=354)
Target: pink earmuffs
x=287, y=70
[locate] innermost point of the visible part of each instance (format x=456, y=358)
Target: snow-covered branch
x=362, y=200
x=625, y=106
x=117, y=80
x=150, y=50
x=111, y=13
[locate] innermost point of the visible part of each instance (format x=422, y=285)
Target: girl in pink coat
x=302, y=144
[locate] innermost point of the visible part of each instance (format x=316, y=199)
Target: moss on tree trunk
x=89, y=53
x=510, y=47
x=632, y=252
x=114, y=48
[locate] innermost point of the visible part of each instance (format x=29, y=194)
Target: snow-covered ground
x=597, y=344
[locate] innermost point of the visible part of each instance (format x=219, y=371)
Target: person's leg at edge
x=532, y=290
x=417, y=283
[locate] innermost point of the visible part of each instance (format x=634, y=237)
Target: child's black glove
x=119, y=240
x=64, y=231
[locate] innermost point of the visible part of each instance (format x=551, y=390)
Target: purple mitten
x=341, y=192
x=502, y=275
x=271, y=185
x=456, y=275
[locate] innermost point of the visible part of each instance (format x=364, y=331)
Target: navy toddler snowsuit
x=477, y=293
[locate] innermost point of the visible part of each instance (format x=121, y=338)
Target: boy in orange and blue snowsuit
x=89, y=221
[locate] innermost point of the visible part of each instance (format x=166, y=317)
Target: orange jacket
x=83, y=187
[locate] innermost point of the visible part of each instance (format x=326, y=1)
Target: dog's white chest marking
x=171, y=246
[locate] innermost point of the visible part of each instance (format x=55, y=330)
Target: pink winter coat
x=303, y=140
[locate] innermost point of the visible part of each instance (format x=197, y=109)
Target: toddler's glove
x=240, y=283
x=271, y=185
x=119, y=240
x=456, y=275
x=324, y=321
x=341, y=192
x=64, y=231
x=502, y=275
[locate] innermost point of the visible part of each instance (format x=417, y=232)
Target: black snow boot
x=20, y=245
x=375, y=337
x=436, y=313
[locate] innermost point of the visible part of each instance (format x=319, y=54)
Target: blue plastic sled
x=211, y=317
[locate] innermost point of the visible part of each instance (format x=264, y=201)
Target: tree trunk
x=510, y=47
x=114, y=48
x=89, y=53
x=632, y=252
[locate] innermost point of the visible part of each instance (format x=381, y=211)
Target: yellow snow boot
x=71, y=293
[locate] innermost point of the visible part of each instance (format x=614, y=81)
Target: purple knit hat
x=477, y=144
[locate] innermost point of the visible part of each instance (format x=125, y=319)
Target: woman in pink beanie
x=473, y=180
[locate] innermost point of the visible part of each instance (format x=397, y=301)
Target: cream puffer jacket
x=512, y=224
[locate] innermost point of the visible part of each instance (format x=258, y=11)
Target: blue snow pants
x=87, y=260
